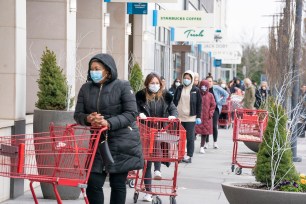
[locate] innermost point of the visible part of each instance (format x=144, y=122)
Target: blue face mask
x=187, y=82
x=96, y=76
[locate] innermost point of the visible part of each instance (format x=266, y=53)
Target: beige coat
x=249, y=97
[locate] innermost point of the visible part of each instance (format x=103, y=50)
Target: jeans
x=117, y=182
x=148, y=175
x=189, y=127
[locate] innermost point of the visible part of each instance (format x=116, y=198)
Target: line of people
x=105, y=100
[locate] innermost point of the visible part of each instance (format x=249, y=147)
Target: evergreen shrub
x=136, y=78
x=53, y=87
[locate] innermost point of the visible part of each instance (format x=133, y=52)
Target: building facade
x=76, y=30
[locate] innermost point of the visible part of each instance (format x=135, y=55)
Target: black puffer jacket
x=167, y=105
x=116, y=102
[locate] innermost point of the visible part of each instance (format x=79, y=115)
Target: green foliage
x=136, y=78
x=52, y=84
x=275, y=146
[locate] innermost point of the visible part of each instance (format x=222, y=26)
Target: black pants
x=203, y=139
x=215, y=126
x=189, y=127
x=148, y=175
x=117, y=182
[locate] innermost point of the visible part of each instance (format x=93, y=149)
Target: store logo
x=192, y=33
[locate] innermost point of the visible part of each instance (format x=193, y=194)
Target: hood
x=204, y=83
x=108, y=61
x=192, y=77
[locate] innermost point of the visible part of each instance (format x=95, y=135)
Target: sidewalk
x=198, y=182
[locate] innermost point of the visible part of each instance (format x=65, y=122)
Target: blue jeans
x=117, y=182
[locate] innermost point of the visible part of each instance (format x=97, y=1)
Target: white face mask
x=154, y=88
x=223, y=85
x=177, y=84
x=203, y=88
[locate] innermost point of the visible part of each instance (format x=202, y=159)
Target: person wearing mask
x=249, y=99
x=208, y=108
x=224, y=86
x=153, y=101
x=196, y=79
x=174, y=86
x=188, y=101
x=220, y=96
x=261, y=94
x=105, y=100
x=237, y=83
x=163, y=80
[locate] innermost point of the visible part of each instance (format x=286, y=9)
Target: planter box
x=236, y=194
x=41, y=122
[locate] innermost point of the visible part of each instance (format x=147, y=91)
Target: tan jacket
x=249, y=97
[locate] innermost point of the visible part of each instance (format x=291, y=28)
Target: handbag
x=105, y=152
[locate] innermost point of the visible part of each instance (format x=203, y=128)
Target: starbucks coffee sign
x=189, y=19
x=193, y=34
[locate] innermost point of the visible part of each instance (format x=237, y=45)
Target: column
x=117, y=39
x=51, y=24
x=13, y=71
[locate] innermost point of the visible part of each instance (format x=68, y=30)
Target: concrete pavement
x=198, y=182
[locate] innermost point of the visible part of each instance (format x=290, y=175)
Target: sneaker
x=206, y=145
x=216, y=145
x=147, y=198
x=157, y=175
x=187, y=159
x=202, y=151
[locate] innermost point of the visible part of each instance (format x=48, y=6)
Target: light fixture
x=106, y=19
x=128, y=28
x=72, y=5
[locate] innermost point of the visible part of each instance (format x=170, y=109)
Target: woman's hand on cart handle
x=171, y=117
x=142, y=116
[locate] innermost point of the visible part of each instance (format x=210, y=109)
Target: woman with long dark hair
x=154, y=101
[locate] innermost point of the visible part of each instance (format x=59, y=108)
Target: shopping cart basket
x=162, y=140
x=225, y=117
x=62, y=156
x=249, y=126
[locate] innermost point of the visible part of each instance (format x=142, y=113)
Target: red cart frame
x=227, y=112
x=249, y=126
x=163, y=140
x=62, y=156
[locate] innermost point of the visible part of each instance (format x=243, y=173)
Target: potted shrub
x=53, y=106
x=136, y=78
x=274, y=170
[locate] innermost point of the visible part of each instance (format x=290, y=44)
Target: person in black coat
x=261, y=94
x=153, y=101
x=105, y=100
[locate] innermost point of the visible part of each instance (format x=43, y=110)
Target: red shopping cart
x=225, y=117
x=249, y=126
x=62, y=156
x=162, y=140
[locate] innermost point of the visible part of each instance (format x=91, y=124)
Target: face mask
x=203, y=88
x=187, y=82
x=263, y=88
x=177, y=84
x=223, y=85
x=154, y=88
x=96, y=76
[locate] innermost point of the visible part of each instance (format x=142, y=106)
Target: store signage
x=189, y=19
x=217, y=63
x=137, y=8
x=192, y=34
x=217, y=47
x=143, y=1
